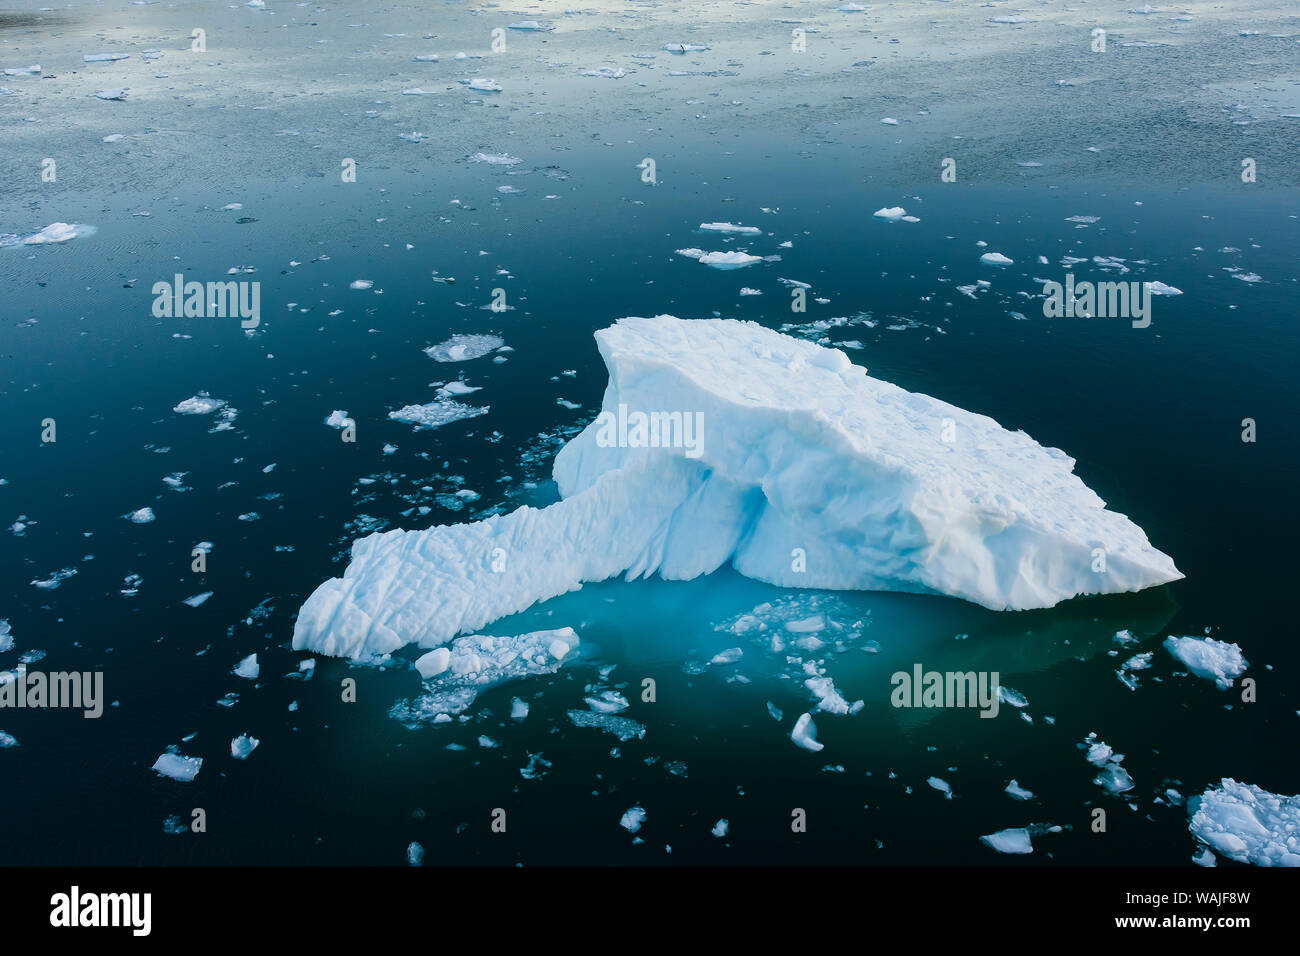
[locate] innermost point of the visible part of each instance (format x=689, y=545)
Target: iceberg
x=806, y=473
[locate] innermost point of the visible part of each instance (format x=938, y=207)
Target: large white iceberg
x=1247, y=824
x=723, y=441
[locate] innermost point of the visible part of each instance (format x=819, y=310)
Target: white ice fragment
x=242, y=746
x=995, y=259
x=805, y=733
x=248, y=668
x=1247, y=824
x=462, y=348
x=1017, y=792
x=632, y=819
x=178, y=767
x=938, y=783
x=1205, y=657
x=1009, y=841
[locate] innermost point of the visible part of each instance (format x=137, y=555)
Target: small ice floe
x=889, y=121
x=721, y=260
x=412, y=137
x=105, y=57
x=721, y=828
x=1015, y=840
x=938, y=783
x=684, y=48
x=361, y=284
x=1138, y=662
x=1205, y=657
x=198, y=599
x=1017, y=792
x=7, y=740
x=426, y=58
x=248, y=668
x=111, y=138
x=730, y=228
x=509, y=191
x=605, y=72
x=853, y=8
x=1083, y=220
x=608, y=702
x=535, y=26
x=1247, y=824
x=1113, y=778
x=338, y=419
x=436, y=414
x=54, y=232
x=1013, y=18
x=624, y=728
x=890, y=213
x=460, y=388
x=33, y=70
x=483, y=85
x=496, y=159
x=178, y=767
x=456, y=674
x=1159, y=288
x=995, y=259
x=54, y=580
x=143, y=516
x=112, y=94
x=518, y=709
x=632, y=819
x=415, y=854
x=746, y=290
x=794, y=284
x=805, y=733
x=1029, y=164
x=462, y=348
x=6, y=636
x=242, y=746
x=200, y=404
x=729, y=656
x=415, y=91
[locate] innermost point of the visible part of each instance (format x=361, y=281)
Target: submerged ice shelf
x=771, y=453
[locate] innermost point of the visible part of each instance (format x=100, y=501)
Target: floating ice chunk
x=105, y=57
x=828, y=698
x=532, y=25
x=518, y=709
x=624, y=728
x=143, y=516
x=853, y=8
x=748, y=291
x=995, y=259
x=938, y=783
x=889, y=121
x=632, y=819
x=890, y=213
x=787, y=425
x=774, y=711
x=178, y=767
x=1009, y=841
x=7, y=740
x=6, y=636
x=1017, y=792
x=415, y=854
x=1205, y=657
x=200, y=404
x=56, y=232
x=248, y=668
x=1204, y=857
x=496, y=159
x=605, y=72
x=721, y=260
x=730, y=228
x=458, y=673
x=111, y=138
x=242, y=746
x=198, y=599
x=609, y=702
x=412, y=137
x=111, y=94
x=33, y=70
x=337, y=419
x=721, y=828
x=360, y=284
x=1247, y=824
x=426, y=58
x=436, y=414
x=483, y=85
x=729, y=656
x=1159, y=288
x=805, y=733
x=684, y=48
x=462, y=348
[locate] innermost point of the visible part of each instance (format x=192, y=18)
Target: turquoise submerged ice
x=771, y=453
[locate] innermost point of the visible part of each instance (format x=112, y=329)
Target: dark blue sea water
x=1153, y=417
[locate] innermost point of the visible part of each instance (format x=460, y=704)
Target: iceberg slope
x=724, y=441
